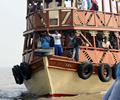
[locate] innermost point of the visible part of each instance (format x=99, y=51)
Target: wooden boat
x=45, y=73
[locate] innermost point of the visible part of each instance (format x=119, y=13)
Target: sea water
x=9, y=90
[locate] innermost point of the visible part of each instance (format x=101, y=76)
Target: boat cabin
x=78, y=15
x=95, y=25
x=92, y=20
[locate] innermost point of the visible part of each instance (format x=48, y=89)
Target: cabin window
x=107, y=6
x=114, y=8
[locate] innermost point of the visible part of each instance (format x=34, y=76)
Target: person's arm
x=110, y=45
x=48, y=32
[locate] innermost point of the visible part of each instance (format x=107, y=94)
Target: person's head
x=105, y=39
x=56, y=32
x=72, y=34
x=44, y=33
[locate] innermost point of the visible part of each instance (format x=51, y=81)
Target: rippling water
x=9, y=90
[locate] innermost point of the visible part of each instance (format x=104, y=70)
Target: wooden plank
x=77, y=18
x=107, y=19
x=99, y=19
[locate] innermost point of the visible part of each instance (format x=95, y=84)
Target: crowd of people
x=35, y=5
x=109, y=41
x=73, y=41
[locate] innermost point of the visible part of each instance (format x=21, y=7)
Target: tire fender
x=104, y=72
x=85, y=70
x=25, y=70
x=17, y=74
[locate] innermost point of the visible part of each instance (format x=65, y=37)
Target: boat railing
x=73, y=19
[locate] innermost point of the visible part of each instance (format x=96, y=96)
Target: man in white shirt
x=57, y=43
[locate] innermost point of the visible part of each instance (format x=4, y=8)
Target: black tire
x=17, y=74
x=104, y=72
x=85, y=70
x=25, y=70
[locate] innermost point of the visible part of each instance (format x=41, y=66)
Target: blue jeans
x=58, y=50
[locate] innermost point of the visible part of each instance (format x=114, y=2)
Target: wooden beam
x=110, y=1
x=85, y=39
x=103, y=6
x=117, y=6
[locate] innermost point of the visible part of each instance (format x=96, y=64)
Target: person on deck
x=99, y=40
x=84, y=5
x=45, y=41
x=67, y=3
x=76, y=50
x=94, y=5
x=74, y=43
x=106, y=43
x=57, y=43
x=113, y=92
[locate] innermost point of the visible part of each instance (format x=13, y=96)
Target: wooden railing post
x=60, y=16
x=48, y=20
x=72, y=18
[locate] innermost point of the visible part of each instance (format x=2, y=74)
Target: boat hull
x=63, y=82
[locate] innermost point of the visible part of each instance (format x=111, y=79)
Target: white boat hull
x=56, y=81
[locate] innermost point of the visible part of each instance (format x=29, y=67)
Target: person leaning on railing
x=57, y=43
x=45, y=41
x=106, y=43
